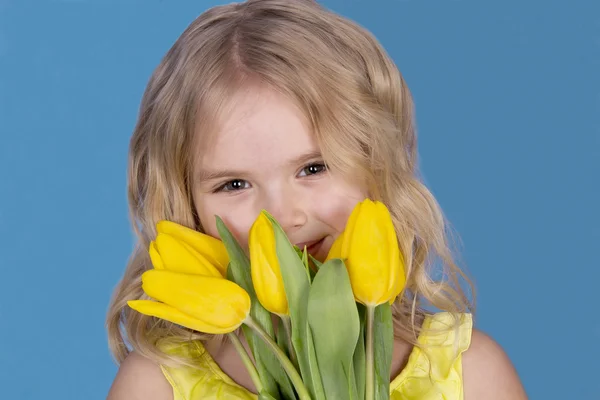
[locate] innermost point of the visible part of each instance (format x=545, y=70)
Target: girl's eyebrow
x=205, y=175
x=304, y=158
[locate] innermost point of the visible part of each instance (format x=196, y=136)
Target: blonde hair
x=361, y=111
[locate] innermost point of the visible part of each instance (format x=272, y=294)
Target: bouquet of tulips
x=333, y=335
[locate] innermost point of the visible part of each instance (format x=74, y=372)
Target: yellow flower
x=177, y=248
x=203, y=303
x=336, y=248
x=264, y=267
x=369, y=248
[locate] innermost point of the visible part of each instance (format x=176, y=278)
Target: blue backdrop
x=507, y=96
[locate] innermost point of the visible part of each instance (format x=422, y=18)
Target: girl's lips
x=312, y=247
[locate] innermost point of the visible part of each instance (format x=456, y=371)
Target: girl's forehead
x=257, y=122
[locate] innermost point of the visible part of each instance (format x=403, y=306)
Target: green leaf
x=383, y=333
x=305, y=257
x=297, y=285
x=299, y=251
x=263, y=395
x=331, y=311
x=269, y=369
x=359, y=358
x=282, y=339
x=306, y=261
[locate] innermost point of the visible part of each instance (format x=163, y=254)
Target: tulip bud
x=369, y=248
x=264, y=266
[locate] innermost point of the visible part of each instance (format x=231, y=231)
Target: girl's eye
x=233, y=185
x=313, y=169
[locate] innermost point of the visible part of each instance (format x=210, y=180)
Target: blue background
x=508, y=101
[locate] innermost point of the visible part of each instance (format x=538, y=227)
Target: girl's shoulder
x=488, y=372
x=139, y=377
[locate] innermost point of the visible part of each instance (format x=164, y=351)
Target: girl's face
x=265, y=157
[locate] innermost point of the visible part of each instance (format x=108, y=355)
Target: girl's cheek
x=238, y=227
x=237, y=217
x=342, y=200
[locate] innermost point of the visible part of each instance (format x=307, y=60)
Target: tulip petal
x=210, y=267
x=177, y=256
x=211, y=248
x=217, y=301
x=396, y=278
x=367, y=255
x=350, y=228
x=166, y=312
x=155, y=256
x=336, y=248
x=264, y=267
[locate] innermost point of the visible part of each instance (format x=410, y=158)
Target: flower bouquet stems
x=334, y=333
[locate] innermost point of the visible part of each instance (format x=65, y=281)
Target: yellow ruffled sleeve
x=204, y=382
x=434, y=370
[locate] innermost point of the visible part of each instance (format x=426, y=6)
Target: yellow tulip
x=213, y=250
x=203, y=303
x=336, y=248
x=171, y=254
x=369, y=248
x=264, y=267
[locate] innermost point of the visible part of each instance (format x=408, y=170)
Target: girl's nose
x=287, y=210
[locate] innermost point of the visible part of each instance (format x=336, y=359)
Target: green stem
x=370, y=367
x=287, y=325
x=246, y=360
x=303, y=393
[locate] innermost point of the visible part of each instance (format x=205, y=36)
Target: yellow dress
x=433, y=372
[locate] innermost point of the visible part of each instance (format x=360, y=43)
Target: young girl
x=284, y=106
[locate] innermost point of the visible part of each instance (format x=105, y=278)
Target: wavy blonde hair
x=361, y=112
